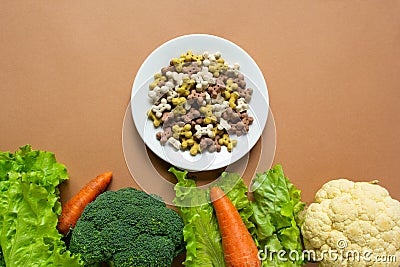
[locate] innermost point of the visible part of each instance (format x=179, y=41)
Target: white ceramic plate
x=198, y=43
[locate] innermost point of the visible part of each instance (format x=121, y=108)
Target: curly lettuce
x=277, y=204
x=201, y=232
x=270, y=217
x=29, y=209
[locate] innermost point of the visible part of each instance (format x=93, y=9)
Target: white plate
x=198, y=43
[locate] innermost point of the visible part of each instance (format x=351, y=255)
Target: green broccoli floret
x=128, y=227
x=147, y=245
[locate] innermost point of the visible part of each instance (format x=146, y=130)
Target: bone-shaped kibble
x=187, y=85
x=237, y=128
x=164, y=70
x=217, y=68
x=158, y=92
x=153, y=117
x=217, y=88
x=218, y=109
x=175, y=143
x=241, y=127
x=226, y=141
x=179, y=110
x=168, y=119
x=171, y=94
x=175, y=77
x=187, y=142
x=160, y=108
x=217, y=132
x=232, y=99
x=207, y=111
x=245, y=93
x=159, y=80
x=207, y=143
x=229, y=88
x=247, y=120
x=195, y=97
x=191, y=115
x=184, y=131
x=206, y=130
x=239, y=80
x=203, y=78
x=176, y=101
x=230, y=115
x=241, y=105
x=223, y=124
x=163, y=136
x=233, y=70
x=190, y=57
x=195, y=149
x=219, y=99
x=191, y=68
x=211, y=57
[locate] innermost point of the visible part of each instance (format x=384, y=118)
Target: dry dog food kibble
x=201, y=102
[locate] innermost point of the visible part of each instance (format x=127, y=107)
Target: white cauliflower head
x=353, y=224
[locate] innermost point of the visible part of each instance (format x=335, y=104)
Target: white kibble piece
x=168, y=74
x=218, y=108
x=205, y=130
x=169, y=84
x=203, y=78
x=175, y=78
x=160, y=108
x=187, y=105
x=208, y=98
x=241, y=105
x=158, y=92
x=223, y=124
x=175, y=143
x=171, y=94
x=206, y=62
x=219, y=99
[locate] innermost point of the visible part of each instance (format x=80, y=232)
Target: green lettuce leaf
x=276, y=206
x=201, y=232
x=29, y=209
x=271, y=217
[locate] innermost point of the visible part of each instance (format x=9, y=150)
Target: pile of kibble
x=200, y=102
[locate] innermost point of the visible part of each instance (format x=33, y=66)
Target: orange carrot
x=72, y=210
x=238, y=245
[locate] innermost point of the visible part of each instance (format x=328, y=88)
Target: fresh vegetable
x=201, y=232
x=128, y=227
x=238, y=245
x=271, y=218
x=277, y=205
x=29, y=209
x=353, y=216
x=72, y=210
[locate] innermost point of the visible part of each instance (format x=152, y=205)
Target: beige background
x=332, y=69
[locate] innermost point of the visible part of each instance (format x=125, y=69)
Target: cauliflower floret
x=353, y=224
